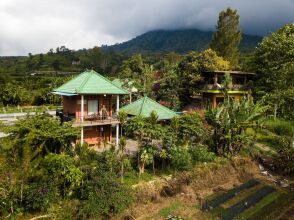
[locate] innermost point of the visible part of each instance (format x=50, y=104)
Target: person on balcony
x=104, y=112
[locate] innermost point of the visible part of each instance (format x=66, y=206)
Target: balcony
x=235, y=87
x=92, y=120
x=89, y=120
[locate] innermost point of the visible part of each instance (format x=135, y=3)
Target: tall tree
x=273, y=62
x=140, y=73
x=227, y=37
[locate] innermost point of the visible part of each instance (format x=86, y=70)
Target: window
x=92, y=107
x=220, y=79
x=240, y=80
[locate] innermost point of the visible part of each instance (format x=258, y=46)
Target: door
x=92, y=107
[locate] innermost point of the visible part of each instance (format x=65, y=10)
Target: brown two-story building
x=88, y=101
x=211, y=89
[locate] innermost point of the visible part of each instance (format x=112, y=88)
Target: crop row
x=275, y=208
x=249, y=201
x=228, y=195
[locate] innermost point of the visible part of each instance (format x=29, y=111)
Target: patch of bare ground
x=189, y=190
x=264, y=147
x=287, y=214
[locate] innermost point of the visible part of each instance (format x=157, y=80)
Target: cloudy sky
x=37, y=25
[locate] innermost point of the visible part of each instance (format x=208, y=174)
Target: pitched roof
x=145, y=106
x=90, y=82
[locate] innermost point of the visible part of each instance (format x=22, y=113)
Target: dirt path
x=263, y=147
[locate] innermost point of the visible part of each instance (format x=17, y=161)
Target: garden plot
x=275, y=206
x=244, y=204
x=251, y=200
x=228, y=195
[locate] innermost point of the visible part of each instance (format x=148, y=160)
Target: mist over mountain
x=180, y=41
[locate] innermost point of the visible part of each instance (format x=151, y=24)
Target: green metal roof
x=145, y=106
x=90, y=82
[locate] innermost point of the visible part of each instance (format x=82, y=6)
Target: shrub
x=200, y=153
x=65, y=209
x=38, y=196
x=284, y=159
x=63, y=172
x=103, y=195
x=280, y=127
x=180, y=158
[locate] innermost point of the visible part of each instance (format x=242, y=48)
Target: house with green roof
x=89, y=99
x=145, y=106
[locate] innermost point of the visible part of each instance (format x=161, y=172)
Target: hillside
x=181, y=41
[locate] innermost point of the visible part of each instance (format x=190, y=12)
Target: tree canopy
x=227, y=37
x=191, y=67
x=274, y=63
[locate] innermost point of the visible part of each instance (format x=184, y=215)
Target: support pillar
x=214, y=101
x=117, y=125
x=117, y=135
x=117, y=103
x=82, y=119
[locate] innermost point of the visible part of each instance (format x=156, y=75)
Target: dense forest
x=179, y=41
x=45, y=173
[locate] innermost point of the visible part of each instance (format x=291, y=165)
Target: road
x=10, y=118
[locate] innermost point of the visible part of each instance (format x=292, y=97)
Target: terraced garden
x=252, y=200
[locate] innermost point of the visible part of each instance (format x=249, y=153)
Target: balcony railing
x=235, y=87
x=88, y=120
x=95, y=120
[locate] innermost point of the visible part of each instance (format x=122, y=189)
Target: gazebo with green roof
x=88, y=98
x=144, y=106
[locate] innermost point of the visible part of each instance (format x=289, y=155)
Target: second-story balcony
x=89, y=120
x=235, y=87
x=95, y=119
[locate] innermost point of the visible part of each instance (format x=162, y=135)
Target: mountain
x=181, y=41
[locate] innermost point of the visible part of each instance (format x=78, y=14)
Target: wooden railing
x=215, y=87
x=96, y=120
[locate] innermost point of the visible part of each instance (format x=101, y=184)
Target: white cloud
x=38, y=25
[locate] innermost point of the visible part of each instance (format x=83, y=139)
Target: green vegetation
x=179, y=41
x=226, y=39
x=41, y=170
x=250, y=202
x=44, y=171
x=269, y=210
x=273, y=62
x=259, y=206
x=230, y=122
x=172, y=208
x=190, y=68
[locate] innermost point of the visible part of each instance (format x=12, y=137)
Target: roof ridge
x=144, y=101
x=85, y=80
